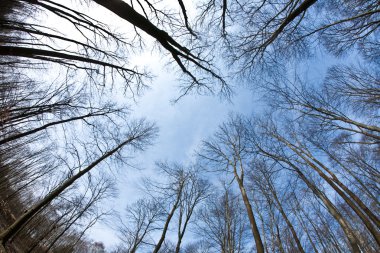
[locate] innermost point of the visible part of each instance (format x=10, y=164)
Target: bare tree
x=137, y=225
x=179, y=196
x=139, y=136
x=222, y=224
x=228, y=151
x=261, y=139
x=195, y=192
x=262, y=34
x=263, y=176
x=93, y=58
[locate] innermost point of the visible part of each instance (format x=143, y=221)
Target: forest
x=297, y=171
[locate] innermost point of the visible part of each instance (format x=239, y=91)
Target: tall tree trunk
x=317, y=232
x=357, y=180
x=180, y=234
x=331, y=237
x=59, y=122
x=167, y=222
x=254, y=228
x=306, y=230
x=347, y=229
x=290, y=225
x=256, y=205
x=17, y=225
x=333, y=183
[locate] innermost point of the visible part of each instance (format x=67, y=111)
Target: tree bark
x=254, y=228
x=164, y=230
x=349, y=232
x=290, y=225
x=375, y=233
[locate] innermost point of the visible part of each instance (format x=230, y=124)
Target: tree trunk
x=306, y=231
x=290, y=225
x=172, y=211
x=13, y=229
x=255, y=230
x=333, y=183
x=332, y=210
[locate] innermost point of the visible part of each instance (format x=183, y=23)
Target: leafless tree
x=264, y=34
x=228, y=151
x=139, y=135
x=99, y=49
x=180, y=195
x=290, y=153
x=222, y=224
x=140, y=221
x=263, y=178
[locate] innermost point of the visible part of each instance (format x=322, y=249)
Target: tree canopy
x=299, y=175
